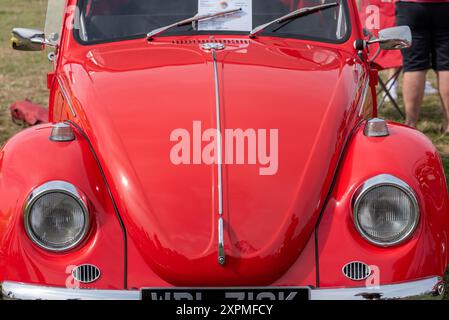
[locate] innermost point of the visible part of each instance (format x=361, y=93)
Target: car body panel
x=425, y=253
x=21, y=259
x=292, y=228
x=174, y=218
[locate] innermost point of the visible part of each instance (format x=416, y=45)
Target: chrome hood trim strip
x=364, y=96
x=219, y=140
x=66, y=97
x=221, y=251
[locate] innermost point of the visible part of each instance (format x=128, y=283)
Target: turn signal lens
x=62, y=132
x=386, y=211
x=376, y=128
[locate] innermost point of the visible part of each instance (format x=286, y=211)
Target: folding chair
x=386, y=91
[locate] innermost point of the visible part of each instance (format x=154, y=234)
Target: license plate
x=226, y=294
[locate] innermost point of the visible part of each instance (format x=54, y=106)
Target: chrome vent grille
x=357, y=271
x=200, y=41
x=86, y=273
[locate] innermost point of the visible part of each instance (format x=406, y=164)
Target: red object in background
x=377, y=15
x=28, y=112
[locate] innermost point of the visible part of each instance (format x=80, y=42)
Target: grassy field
x=22, y=76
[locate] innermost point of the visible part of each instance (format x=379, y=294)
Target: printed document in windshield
x=240, y=21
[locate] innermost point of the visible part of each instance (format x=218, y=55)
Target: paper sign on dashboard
x=240, y=21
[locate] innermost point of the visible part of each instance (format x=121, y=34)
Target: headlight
x=386, y=211
x=56, y=218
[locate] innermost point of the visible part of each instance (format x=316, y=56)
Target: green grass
x=22, y=76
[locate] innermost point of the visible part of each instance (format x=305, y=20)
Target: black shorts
x=430, y=29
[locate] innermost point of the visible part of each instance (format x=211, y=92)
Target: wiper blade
x=196, y=18
x=293, y=15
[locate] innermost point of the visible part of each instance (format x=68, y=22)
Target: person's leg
x=417, y=59
x=441, y=56
x=443, y=85
x=413, y=90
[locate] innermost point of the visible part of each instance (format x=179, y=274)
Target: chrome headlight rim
x=56, y=187
x=383, y=180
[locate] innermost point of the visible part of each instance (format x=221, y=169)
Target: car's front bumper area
x=430, y=288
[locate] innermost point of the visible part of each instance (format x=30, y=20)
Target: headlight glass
x=386, y=211
x=56, y=219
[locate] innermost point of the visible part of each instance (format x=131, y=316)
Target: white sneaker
x=429, y=90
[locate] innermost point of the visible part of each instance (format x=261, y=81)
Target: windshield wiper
x=196, y=18
x=292, y=16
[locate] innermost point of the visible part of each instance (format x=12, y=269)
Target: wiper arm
x=293, y=15
x=196, y=18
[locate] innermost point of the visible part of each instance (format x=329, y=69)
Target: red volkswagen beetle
x=199, y=147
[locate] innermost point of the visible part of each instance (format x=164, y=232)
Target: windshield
x=112, y=20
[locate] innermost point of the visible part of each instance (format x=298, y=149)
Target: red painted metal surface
x=127, y=97
x=23, y=166
x=410, y=156
x=170, y=210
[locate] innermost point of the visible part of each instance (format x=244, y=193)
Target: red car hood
x=139, y=95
